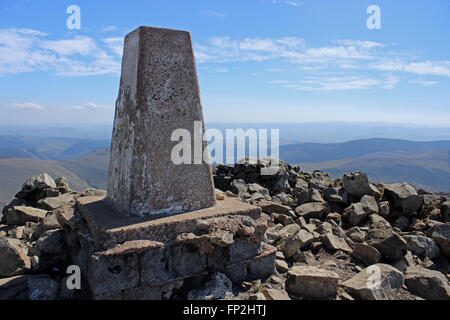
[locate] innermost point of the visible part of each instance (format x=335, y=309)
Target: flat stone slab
x=109, y=228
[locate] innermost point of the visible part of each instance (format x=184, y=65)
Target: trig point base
x=134, y=258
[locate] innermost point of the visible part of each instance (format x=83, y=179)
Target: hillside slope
x=92, y=168
x=319, y=152
x=430, y=170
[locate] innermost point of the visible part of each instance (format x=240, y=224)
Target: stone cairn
x=161, y=226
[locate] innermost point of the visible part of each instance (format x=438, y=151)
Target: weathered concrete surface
x=159, y=93
x=108, y=227
x=121, y=254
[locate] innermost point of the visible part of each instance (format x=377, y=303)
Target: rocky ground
x=338, y=239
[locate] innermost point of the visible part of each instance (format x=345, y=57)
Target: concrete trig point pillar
x=160, y=223
x=159, y=93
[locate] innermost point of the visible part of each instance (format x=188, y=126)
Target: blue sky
x=257, y=60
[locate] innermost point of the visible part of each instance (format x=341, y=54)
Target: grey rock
x=356, y=234
x=51, y=243
x=288, y=231
x=254, y=187
x=42, y=288
x=369, y=204
x=441, y=234
x=333, y=242
x=402, y=223
x=93, y=193
x=376, y=282
x=309, y=195
x=275, y=294
x=282, y=218
x=273, y=207
x=52, y=203
x=294, y=243
x=422, y=246
x=316, y=210
x=312, y=282
x=356, y=184
x=378, y=222
x=63, y=183
x=13, y=259
x=282, y=198
x=13, y=288
x=445, y=211
x=403, y=196
x=367, y=254
x=428, y=284
x=305, y=257
x=36, y=183
x=336, y=195
x=281, y=266
x=21, y=214
x=384, y=208
x=355, y=214
x=390, y=244
x=216, y=288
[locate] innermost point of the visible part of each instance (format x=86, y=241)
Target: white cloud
x=79, y=45
x=436, y=68
x=332, y=83
x=25, y=106
x=289, y=2
x=212, y=13
x=27, y=50
x=294, y=3
x=115, y=44
x=336, y=83
x=390, y=82
x=109, y=28
x=88, y=106
x=378, y=60
x=424, y=83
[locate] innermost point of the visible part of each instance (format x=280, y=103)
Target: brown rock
x=312, y=282
x=13, y=259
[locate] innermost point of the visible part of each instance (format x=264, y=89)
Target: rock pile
x=340, y=239
x=33, y=250
x=345, y=238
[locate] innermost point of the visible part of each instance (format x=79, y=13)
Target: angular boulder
x=316, y=210
x=356, y=184
x=428, y=284
x=365, y=253
x=403, y=197
x=36, y=183
x=21, y=214
x=291, y=245
x=390, y=244
x=333, y=242
x=355, y=214
x=441, y=234
x=376, y=282
x=312, y=282
x=13, y=259
x=422, y=246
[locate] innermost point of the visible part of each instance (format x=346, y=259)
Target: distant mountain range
x=12, y=146
x=85, y=162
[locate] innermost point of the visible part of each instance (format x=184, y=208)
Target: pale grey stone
x=159, y=93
